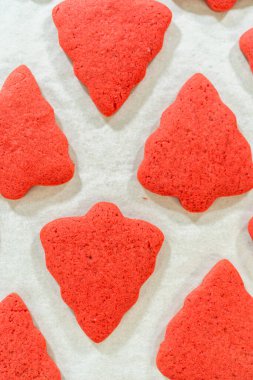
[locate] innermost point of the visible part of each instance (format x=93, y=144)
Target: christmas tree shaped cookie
x=212, y=336
x=197, y=154
x=23, y=353
x=221, y=5
x=246, y=45
x=111, y=43
x=33, y=149
x=100, y=261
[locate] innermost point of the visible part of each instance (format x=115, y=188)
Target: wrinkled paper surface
x=107, y=153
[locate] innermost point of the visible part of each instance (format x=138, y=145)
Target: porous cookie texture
x=221, y=5
x=211, y=337
x=33, y=149
x=250, y=228
x=197, y=154
x=23, y=353
x=100, y=261
x=246, y=45
x=111, y=43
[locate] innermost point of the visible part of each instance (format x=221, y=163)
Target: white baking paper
x=107, y=153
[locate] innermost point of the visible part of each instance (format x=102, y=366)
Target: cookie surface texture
x=211, y=337
x=23, y=353
x=221, y=5
x=33, y=149
x=197, y=154
x=246, y=45
x=100, y=261
x=111, y=43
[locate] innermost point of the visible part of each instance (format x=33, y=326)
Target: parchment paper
x=107, y=153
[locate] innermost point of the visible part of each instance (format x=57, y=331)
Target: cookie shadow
x=40, y=197
x=240, y=4
x=36, y=1
x=220, y=204
x=201, y=8
x=144, y=89
x=134, y=316
x=176, y=303
x=244, y=248
x=49, y=349
x=41, y=1
x=241, y=67
x=79, y=100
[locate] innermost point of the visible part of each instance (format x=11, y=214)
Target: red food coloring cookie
x=33, y=149
x=23, y=353
x=221, y=5
x=211, y=337
x=111, y=43
x=100, y=261
x=197, y=154
x=250, y=228
x=246, y=45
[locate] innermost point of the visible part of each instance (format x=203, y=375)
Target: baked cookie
x=211, y=337
x=23, y=353
x=111, y=43
x=246, y=45
x=221, y=5
x=197, y=154
x=33, y=149
x=100, y=261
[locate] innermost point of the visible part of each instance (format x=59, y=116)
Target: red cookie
x=246, y=45
x=197, y=154
x=33, y=149
x=23, y=353
x=111, y=43
x=221, y=5
x=100, y=261
x=250, y=228
x=212, y=336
